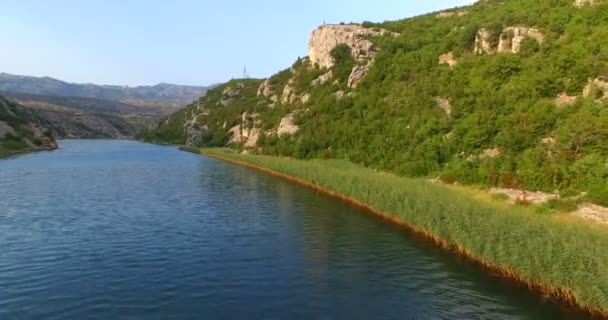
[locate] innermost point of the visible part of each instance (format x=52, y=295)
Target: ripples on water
x=115, y=229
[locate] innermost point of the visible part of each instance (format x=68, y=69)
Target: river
x=125, y=230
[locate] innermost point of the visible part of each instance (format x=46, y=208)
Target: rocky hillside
x=86, y=118
x=503, y=93
x=163, y=92
x=23, y=130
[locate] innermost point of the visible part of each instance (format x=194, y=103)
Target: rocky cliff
x=23, y=130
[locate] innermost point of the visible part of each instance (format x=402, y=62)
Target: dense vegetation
x=540, y=249
x=504, y=129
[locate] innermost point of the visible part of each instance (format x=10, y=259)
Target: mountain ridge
x=163, y=92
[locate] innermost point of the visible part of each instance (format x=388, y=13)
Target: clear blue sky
x=137, y=42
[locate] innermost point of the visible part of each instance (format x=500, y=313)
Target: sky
x=190, y=42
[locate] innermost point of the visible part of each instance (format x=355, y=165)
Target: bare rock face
x=326, y=37
x=448, y=58
x=265, y=89
x=287, y=126
x=597, y=89
x=304, y=98
x=229, y=94
x=482, y=42
x=449, y=14
x=323, y=79
x=512, y=38
x=247, y=132
x=195, y=133
x=289, y=95
x=582, y=3
x=358, y=74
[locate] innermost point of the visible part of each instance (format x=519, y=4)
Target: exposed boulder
x=338, y=95
x=444, y=104
x=326, y=37
x=287, y=126
x=491, y=153
x=564, y=100
x=448, y=58
x=548, y=141
x=304, y=98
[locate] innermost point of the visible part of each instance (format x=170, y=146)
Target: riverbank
x=5, y=153
x=563, y=259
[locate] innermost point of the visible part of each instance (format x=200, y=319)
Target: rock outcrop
x=449, y=59
x=287, y=126
x=247, y=132
x=597, y=89
x=449, y=14
x=482, y=42
x=195, y=133
x=444, y=104
x=326, y=37
x=358, y=74
x=582, y=3
x=564, y=100
x=289, y=93
x=230, y=94
x=512, y=38
x=323, y=79
x=266, y=89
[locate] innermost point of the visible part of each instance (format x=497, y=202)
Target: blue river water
x=125, y=230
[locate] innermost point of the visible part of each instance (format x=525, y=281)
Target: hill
x=503, y=93
x=163, y=92
x=22, y=130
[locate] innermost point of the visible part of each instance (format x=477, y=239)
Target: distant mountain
x=162, y=92
x=147, y=109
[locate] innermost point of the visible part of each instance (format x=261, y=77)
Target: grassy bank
x=565, y=259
